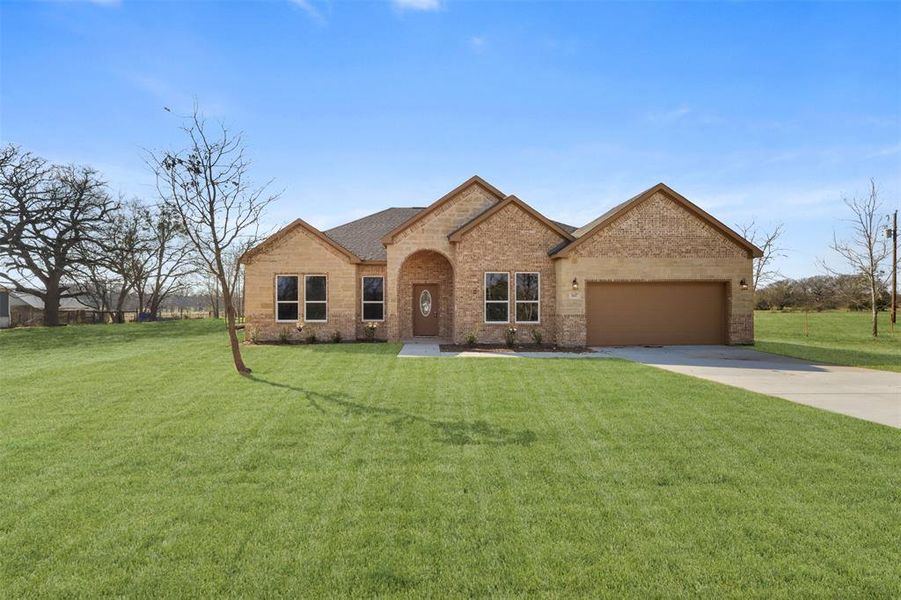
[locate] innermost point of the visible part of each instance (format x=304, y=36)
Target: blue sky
x=754, y=111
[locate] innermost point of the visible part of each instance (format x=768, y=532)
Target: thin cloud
x=308, y=7
x=476, y=43
x=419, y=5
x=884, y=151
x=109, y=3
x=669, y=116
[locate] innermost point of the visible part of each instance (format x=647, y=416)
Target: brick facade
x=430, y=233
x=658, y=239
x=300, y=253
x=426, y=266
x=511, y=240
x=381, y=332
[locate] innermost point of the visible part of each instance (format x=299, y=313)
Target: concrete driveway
x=863, y=393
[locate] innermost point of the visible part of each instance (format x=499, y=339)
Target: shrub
x=471, y=340
x=510, y=336
x=536, y=336
x=369, y=330
x=254, y=333
x=336, y=337
x=311, y=338
x=284, y=335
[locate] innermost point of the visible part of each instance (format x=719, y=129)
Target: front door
x=425, y=309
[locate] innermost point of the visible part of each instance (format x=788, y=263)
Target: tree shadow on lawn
x=833, y=356
x=454, y=433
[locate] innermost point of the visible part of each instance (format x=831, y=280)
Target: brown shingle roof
x=363, y=237
x=564, y=226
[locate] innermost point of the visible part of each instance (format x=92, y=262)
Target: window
x=497, y=297
x=373, y=298
x=528, y=294
x=315, y=296
x=286, y=300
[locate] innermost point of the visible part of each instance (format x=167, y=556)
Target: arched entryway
x=425, y=295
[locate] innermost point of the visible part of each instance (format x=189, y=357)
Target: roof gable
x=282, y=233
x=388, y=238
x=557, y=228
x=587, y=231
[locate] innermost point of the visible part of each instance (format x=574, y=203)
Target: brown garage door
x=664, y=313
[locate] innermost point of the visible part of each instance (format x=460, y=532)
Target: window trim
x=277, y=301
x=305, y=301
x=364, y=301
x=486, y=301
x=517, y=302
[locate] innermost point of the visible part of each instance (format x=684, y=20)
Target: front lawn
x=135, y=462
x=841, y=338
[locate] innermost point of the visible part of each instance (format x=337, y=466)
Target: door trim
x=434, y=290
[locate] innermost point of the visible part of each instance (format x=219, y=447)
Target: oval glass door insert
x=425, y=303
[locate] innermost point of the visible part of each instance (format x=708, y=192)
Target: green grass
x=134, y=462
x=841, y=338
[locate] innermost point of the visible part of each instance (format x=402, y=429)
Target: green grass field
x=841, y=338
x=135, y=462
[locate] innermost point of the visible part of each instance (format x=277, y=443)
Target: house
x=22, y=308
x=4, y=308
x=655, y=269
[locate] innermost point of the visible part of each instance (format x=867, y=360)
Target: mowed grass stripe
x=135, y=462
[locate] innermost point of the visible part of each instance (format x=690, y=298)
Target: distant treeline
x=820, y=292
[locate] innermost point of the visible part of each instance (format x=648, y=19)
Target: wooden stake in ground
x=206, y=185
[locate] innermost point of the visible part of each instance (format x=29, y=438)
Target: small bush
x=510, y=336
x=471, y=340
x=311, y=338
x=369, y=330
x=536, y=336
x=254, y=333
x=284, y=335
x=336, y=337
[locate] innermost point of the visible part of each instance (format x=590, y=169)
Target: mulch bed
x=306, y=343
x=502, y=349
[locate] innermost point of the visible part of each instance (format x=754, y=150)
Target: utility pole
x=893, y=234
x=894, y=268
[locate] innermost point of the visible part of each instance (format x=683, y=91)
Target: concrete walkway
x=420, y=347
x=863, y=393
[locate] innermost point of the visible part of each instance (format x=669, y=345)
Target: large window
x=497, y=297
x=528, y=296
x=373, y=298
x=286, y=300
x=315, y=298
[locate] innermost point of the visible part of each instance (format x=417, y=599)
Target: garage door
x=665, y=313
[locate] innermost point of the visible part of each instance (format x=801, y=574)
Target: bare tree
x=47, y=214
x=123, y=252
x=214, y=297
x=206, y=184
x=99, y=287
x=865, y=251
x=236, y=272
x=768, y=242
x=171, y=257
